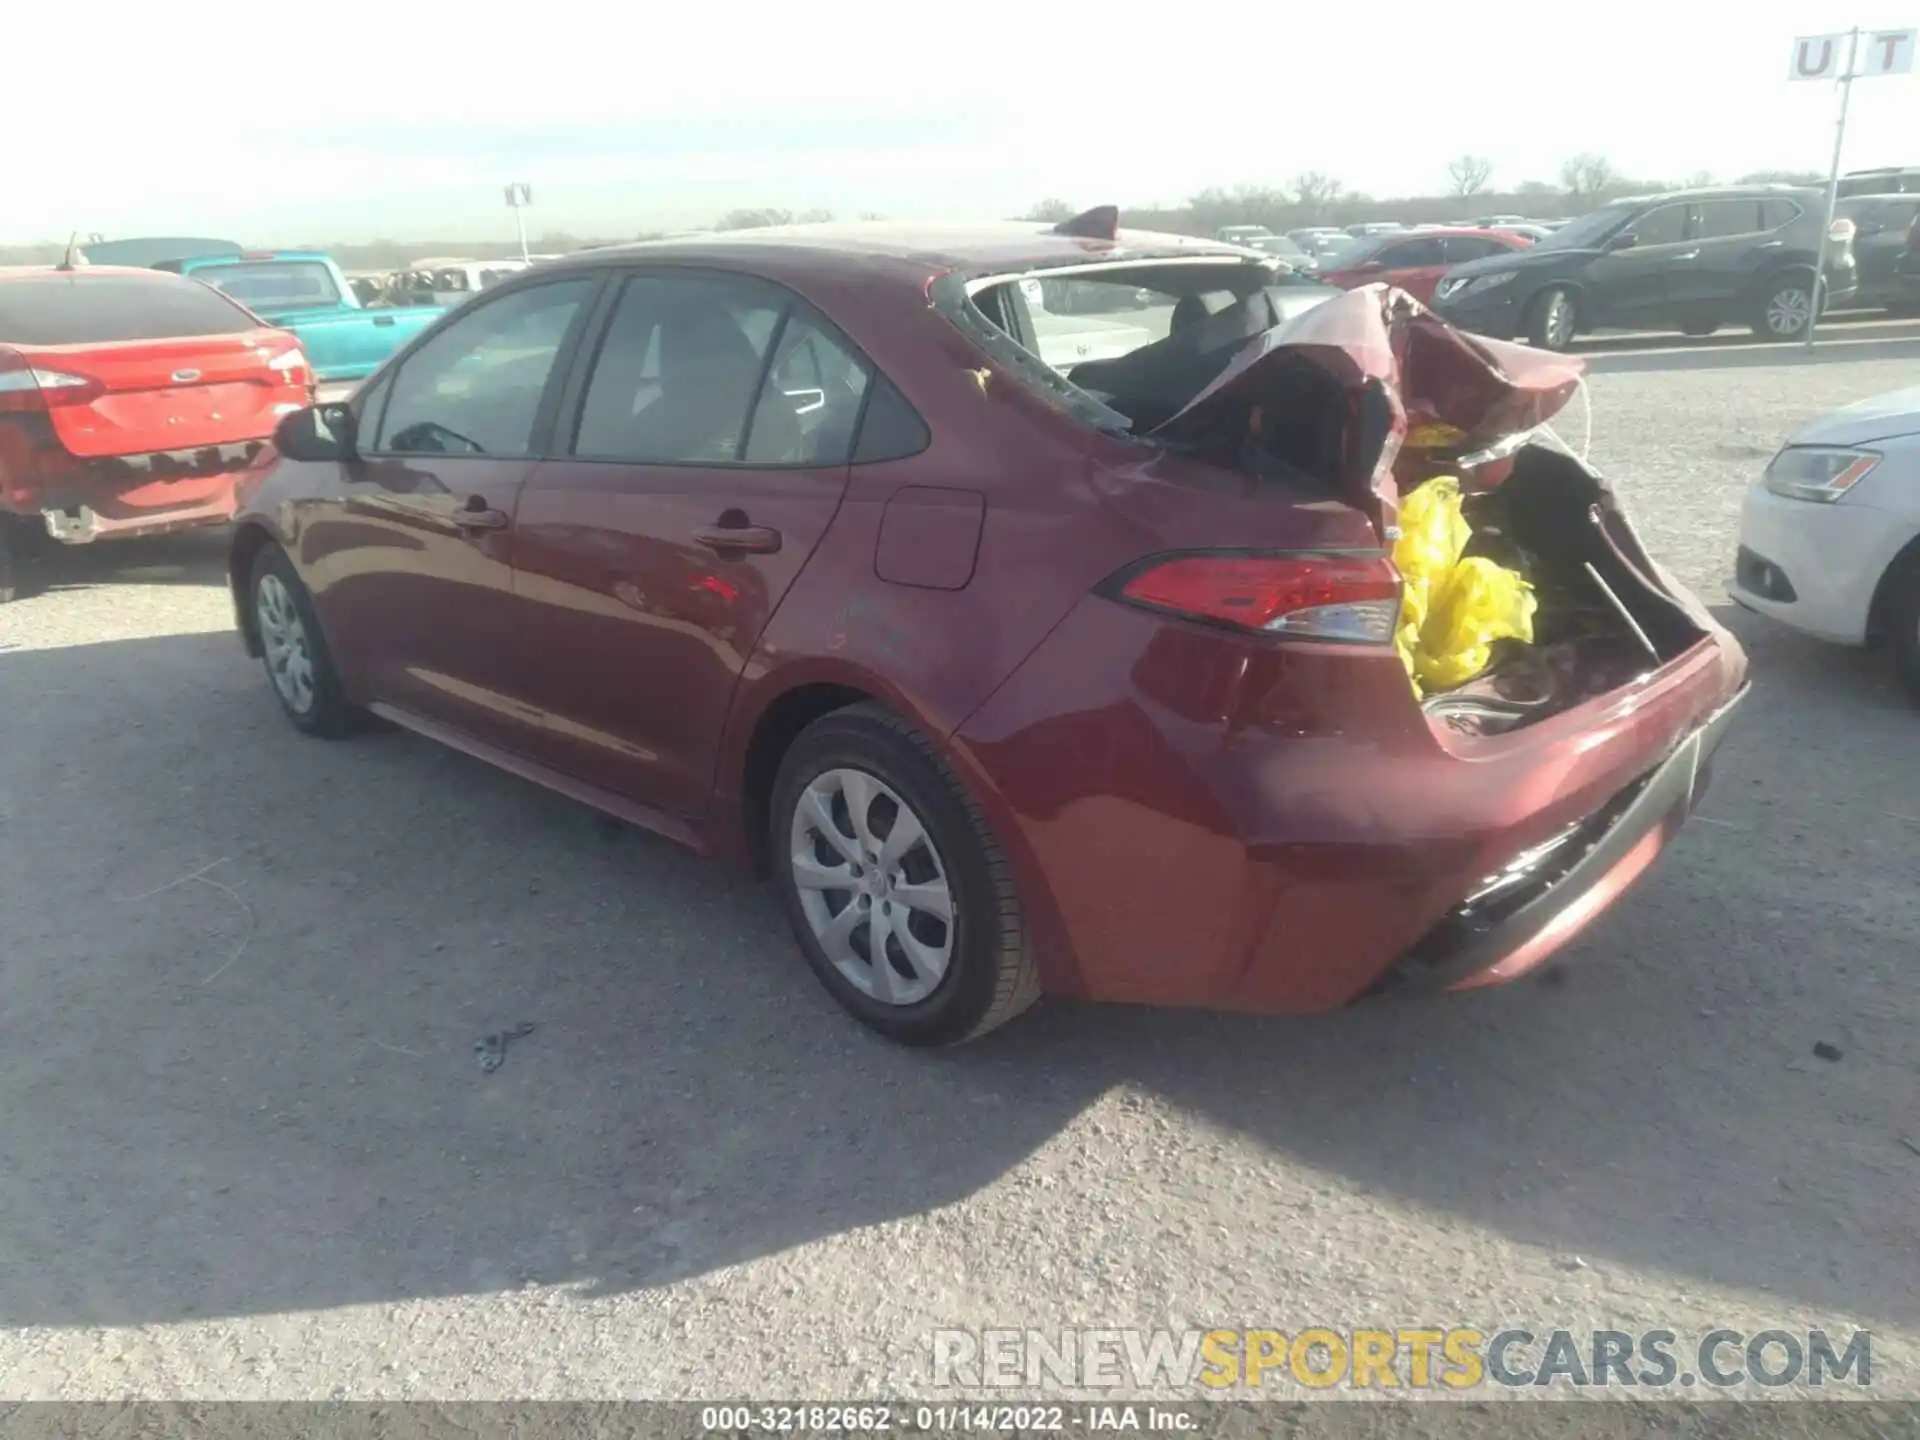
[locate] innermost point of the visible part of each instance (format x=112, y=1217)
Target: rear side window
x=1779, y=211
x=810, y=405
x=273, y=284
x=1472, y=247
x=1726, y=219
x=1413, y=254
x=678, y=371
x=80, y=309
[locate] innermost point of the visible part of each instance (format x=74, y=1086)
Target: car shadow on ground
x=192, y=557
x=245, y=972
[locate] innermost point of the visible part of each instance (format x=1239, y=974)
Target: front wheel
x=1903, y=619
x=1552, y=319
x=898, y=893
x=1785, y=308
x=294, y=652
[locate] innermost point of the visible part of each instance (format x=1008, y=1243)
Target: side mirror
x=1625, y=241
x=317, y=434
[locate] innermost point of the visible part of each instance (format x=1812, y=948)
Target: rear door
x=1730, y=242
x=411, y=558
x=709, y=442
x=1629, y=286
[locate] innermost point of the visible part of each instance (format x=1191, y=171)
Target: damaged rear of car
x=1260, y=802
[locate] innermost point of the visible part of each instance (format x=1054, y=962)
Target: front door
x=704, y=457
x=1628, y=286
x=413, y=550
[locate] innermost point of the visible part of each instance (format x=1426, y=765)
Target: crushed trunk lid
x=1410, y=382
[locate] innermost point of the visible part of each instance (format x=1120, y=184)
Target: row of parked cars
x=808, y=552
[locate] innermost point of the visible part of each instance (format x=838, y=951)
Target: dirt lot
x=245, y=1149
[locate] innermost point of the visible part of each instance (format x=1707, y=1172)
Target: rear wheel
x=1785, y=307
x=23, y=546
x=897, y=891
x=293, y=650
x=1552, y=319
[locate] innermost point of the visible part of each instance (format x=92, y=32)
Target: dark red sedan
x=1016, y=678
x=1416, y=260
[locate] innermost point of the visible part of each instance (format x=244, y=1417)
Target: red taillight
x=1841, y=231
x=26, y=387
x=1312, y=596
x=292, y=365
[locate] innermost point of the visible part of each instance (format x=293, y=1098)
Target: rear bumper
x=1534, y=908
x=155, y=508
x=1275, y=830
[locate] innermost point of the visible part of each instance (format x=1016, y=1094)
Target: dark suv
x=1688, y=260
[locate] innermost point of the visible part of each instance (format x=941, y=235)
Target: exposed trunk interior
x=1604, y=618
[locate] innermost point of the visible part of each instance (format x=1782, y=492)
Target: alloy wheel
x=1789, y=310
x=873, y=886
x=283, y=639
x=1559, y=321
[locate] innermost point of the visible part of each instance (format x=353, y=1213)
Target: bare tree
x=1314, y=191
x=1783, y=177
x=1587, y=176
x=1699, y=180
x=1470, y=174
x=1052, y=210
x=754, y=219
x=815, y=217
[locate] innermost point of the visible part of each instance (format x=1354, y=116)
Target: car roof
x=981, y=247
x=1715, y=192
x=28, y=272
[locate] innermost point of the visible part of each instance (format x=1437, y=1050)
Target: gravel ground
x=248, y=1153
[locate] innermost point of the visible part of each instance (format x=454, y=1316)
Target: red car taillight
x=1311, y=596
x=1842, y=231
x=26, y=388
x=292, y=364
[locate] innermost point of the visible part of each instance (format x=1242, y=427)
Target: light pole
x=519, y=196
x=1833, y=185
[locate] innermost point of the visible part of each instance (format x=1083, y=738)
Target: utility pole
x=519, y=197
x=1833, y=185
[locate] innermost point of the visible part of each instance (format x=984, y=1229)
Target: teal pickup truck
x=305, y=292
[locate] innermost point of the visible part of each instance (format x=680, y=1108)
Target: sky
x=285, y=123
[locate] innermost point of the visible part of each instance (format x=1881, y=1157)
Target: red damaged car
x=1017, y=679
x=1415, y=261
x=130, y=403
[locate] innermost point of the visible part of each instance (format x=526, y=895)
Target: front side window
x=475, y=388
x=1662, y=225
x=678, y=371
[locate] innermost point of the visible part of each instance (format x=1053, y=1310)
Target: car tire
x=23, y=546
x=1784, y=297
x=1553, y=318
x=1903, y=626
x=293, y=651
x=845, y=777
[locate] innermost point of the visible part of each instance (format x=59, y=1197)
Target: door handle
x=754, y=539
x=477, y=516
x=383, y=320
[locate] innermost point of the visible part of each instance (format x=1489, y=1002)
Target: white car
x=1830, y=536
